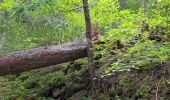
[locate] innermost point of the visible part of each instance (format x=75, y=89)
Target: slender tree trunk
x=2, y=40
x=111, y=24
x=143, y=5
x=91, y=65
x=96, y=23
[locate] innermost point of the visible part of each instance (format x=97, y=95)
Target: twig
x=164, y=83
x=157, y=89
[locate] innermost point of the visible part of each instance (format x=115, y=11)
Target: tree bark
x=41, y=57
x=91, y=66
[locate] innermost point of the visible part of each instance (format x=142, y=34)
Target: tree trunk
x=143, y=6
x=91, y=66
x=41, y=57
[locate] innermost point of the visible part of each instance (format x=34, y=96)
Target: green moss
x=29, y=84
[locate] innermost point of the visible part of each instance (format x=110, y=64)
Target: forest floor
x=60, y=83
x=69, y=81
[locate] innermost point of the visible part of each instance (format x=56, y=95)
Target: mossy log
x=21, y=61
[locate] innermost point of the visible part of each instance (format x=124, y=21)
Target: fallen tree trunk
x=41, y=57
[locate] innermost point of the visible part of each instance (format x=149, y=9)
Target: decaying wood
x=41, y=57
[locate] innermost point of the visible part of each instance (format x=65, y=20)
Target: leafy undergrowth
x=132, y=63
x=137, y=84
x=47, y=83
x=58, y=82
x=132, y=66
